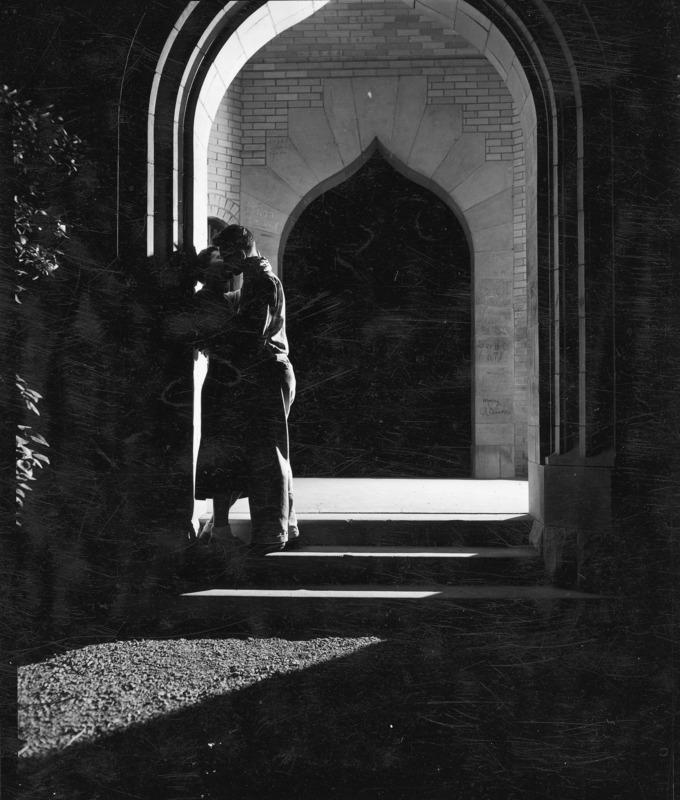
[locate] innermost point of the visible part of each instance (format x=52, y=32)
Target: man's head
x=234, y=237
x=235, y=241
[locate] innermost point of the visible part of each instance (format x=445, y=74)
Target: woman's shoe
x=211, y=533
x=205, y=534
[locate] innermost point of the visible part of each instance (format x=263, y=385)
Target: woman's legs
x=222, y=503
x=218, y=526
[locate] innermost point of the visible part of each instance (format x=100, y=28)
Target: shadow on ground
x=498, y=702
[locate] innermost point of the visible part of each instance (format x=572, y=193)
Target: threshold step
x=238, y=515
x=425, y=531
x=405, y=496
x=408, y=551
x=436, y=592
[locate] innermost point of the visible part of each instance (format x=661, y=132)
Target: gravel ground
x=105, y=688
x=493, y=701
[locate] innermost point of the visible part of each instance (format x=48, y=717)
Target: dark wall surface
x=90, y=338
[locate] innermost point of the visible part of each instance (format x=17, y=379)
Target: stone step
x=230, y=565
x=353, y=609
x=374, y=554
x=368, y=544
x=424, y=530
x=405, y=496
x=407, y=552
x=408, y=564
x=409, y=512
x=430, y=592
x=359, y=609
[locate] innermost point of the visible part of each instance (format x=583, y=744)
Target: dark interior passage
x=378, y=279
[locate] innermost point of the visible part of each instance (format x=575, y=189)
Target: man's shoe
x=261, y=546
x=293, y=538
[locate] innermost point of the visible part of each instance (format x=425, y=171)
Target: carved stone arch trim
x=480, y=198
x=351, y=169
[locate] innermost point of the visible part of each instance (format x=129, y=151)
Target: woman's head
x=211, y=268
x=205, y=257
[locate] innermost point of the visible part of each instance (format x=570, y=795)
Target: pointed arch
x=378, y=278
x=342, y=175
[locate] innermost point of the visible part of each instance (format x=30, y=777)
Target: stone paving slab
x=355, y=498
x=367, y=551
x=400, y=593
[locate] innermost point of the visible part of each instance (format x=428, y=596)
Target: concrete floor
x=402, y=498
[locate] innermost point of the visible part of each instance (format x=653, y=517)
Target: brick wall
x=269, y=90
x=487, y=105
x=225, y=156
x=381, y=38
x=366, y=30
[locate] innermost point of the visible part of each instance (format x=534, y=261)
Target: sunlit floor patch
x=408, y=551
x=406, y=593
x=397, y=500
x=100, y=690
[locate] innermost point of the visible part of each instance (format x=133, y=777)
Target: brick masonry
x=383, y=39
x=225, y=156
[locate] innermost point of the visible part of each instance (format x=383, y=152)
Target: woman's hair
x=234, y=237
x=203, y=261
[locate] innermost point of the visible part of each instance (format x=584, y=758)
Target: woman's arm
x=209, y=316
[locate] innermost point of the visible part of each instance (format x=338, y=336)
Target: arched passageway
x=378, y=280
x=300, y=115
x=521, y=201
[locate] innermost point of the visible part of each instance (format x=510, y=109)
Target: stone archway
x=437, y=146
x=530, y=53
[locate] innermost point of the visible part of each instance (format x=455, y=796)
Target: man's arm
x=258, y=297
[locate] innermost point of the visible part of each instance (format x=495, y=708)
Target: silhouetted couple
x=247, y=393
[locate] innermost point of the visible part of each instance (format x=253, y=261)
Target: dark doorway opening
x=378, y=283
